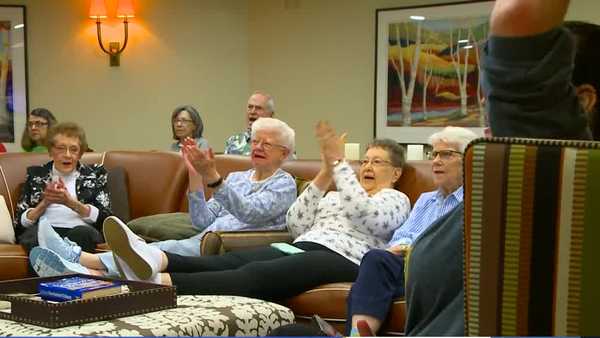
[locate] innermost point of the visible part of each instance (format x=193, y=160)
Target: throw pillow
x=7, y=232
x=164, y=226
x=301, y=184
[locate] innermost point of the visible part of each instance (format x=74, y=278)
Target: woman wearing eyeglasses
x=332, y=231
x=39, y=121
x=64, y=194
x=254, y=199
x=381, y=276
x=186, y=122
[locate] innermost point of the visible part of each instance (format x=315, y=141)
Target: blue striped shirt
x=429, y=207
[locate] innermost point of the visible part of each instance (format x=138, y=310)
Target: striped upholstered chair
x=532, y=237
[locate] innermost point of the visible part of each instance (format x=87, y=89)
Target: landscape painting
x=428, y=66
x=13, y=75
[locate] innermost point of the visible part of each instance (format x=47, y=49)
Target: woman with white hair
x=254, y=199
x=332, y=231
x=381, y=275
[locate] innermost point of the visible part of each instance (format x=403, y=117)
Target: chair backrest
x=531, y=233
x=13, y=168
x=416, y=176
x=157, y=181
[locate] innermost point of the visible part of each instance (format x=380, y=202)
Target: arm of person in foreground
x=527, y=67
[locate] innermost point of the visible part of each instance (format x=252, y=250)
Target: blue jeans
x=380, y=280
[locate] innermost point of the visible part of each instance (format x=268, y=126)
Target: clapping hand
x=200, y=164
x=56, y=192
x=332, y=145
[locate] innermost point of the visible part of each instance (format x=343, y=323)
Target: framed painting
x=427, y=69
x=13, y=75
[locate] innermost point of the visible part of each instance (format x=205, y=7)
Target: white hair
x=270, y=104
x=460, y=137
x=287, y=135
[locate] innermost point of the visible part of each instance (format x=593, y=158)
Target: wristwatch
x=215, y=184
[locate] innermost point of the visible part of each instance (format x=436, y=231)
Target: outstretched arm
x=527, y=67
x=514, y=18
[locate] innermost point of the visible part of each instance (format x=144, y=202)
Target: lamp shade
x=125, y=9
x=97, y=9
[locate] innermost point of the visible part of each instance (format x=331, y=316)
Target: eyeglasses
x=376, y=162
x=182, y=121
x=63, y=149
x=266, y=145
x=254, y=107
x=37, y=124
x=445, y=154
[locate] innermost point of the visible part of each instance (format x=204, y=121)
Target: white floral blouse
x=347, y=221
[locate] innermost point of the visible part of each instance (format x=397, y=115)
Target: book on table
x=79, y=287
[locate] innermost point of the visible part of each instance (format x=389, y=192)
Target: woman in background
x=39, y=121
x=186, y=122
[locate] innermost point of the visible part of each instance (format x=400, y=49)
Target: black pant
x=263, y=273
x=85, y=236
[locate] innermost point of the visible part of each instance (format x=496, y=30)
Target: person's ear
x=285, y=153
x=587, y=97
x=397, y=174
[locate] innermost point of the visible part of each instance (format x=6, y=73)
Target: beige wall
x=315, y=56
x=180, y=51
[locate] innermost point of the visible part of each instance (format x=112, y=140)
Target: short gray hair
x=270, y=104
x=453, y=135
x=287, y=135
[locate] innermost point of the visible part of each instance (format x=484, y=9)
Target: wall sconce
x=98, y=12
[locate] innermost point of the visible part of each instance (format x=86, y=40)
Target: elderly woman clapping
x=247, y=200
x=332, y=230
x=381, y=275
x=64, y=195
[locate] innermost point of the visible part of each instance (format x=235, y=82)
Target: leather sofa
x=328, y=301
x=156, y=183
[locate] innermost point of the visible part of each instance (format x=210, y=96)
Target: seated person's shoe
x=48, y=263
x=142, y=259
x=127, y=273
x=64, y=247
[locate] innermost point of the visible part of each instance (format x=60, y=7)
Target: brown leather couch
x=328, y=301
x=156, y=183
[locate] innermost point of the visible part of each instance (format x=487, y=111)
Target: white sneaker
x=142, y=259
x=50, y=239
x=127, y=273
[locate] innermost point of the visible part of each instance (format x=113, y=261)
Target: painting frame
x=386, y=118
x=14, y=94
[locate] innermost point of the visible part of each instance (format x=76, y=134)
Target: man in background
x=260, y=104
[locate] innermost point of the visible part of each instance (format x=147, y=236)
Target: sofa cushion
x=162, y=227
x=7, y=232
x=118, y=190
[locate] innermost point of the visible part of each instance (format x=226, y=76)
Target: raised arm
x=379, y=214
x=515, y=18
x=527, y=69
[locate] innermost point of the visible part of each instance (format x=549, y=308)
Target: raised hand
x=56, y=192
x=196, y=181
x=332, y=145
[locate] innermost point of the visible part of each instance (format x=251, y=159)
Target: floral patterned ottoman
x=194, y=316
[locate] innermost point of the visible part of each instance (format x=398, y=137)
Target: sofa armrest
x=218, y=242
